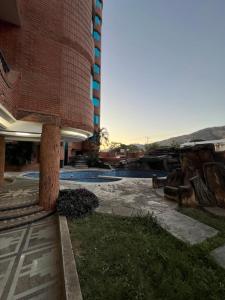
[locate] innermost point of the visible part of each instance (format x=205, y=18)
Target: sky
x=163, y=68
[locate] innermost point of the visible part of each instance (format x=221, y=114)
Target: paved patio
x=30, y=262
x=136, y=196
x=126, y=197
x=29, y=255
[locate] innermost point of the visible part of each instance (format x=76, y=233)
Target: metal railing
x=5, y=66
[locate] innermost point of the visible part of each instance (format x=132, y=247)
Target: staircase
x=81, y=163
x=26, y=212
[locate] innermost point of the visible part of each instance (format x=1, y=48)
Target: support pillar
x=2, y=159
x=49, y=166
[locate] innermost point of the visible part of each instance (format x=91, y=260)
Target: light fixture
x=22, y=134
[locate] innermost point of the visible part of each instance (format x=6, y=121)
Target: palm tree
x=99, y=138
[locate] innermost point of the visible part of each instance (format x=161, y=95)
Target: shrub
x=76, y=203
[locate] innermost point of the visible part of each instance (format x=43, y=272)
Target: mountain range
x=212, y=133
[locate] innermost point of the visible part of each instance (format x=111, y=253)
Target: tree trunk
x=49, y=166
x=2, y=160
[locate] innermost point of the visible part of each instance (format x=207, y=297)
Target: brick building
x=50, y=55
x=74, y=148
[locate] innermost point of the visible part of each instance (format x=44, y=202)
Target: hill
x=212, y=133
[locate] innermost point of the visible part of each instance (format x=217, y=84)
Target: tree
x=133, y=148
x=175, y=144
x=114, y=146
x=99, y=138
x=152, y=146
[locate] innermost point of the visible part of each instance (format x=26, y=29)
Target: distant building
x=219, y=144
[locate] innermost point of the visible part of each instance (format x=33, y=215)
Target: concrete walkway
x=30, y=262
x=126, y=198
x=219, y=255
x=30, y=255
x=30, y=266
x=136, y=196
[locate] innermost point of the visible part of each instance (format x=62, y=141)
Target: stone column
x=2, y=159
x=49, y=166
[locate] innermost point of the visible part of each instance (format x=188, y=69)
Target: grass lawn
x=211, y=220
x=132, y=258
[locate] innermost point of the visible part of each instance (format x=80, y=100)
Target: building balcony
x=9, y=12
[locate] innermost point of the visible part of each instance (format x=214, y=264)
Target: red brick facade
x=52, y=55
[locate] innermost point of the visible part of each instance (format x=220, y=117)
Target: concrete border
x=71, y=280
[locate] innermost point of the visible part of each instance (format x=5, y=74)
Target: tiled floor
x=30, y=262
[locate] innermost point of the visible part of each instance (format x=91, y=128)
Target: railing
x=5, y=66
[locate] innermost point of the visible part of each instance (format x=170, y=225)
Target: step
x=20, y=212
x=216, y=211
x=185, y=228
x=81, y=166
x=17, y=222
x=20, y=204
x=219, y=256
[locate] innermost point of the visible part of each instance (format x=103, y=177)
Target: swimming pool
x=101, y=175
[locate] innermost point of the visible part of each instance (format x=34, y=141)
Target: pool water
x=101, y=175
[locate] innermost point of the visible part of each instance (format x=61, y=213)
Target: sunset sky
x=163, y=68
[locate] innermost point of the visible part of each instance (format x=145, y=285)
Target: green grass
x=211, y=220
x=132, y=258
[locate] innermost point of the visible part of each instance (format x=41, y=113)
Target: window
x=99, y=4
x=98, y=20
x=91, y=87
x=96, y=35
x=96, y=119
x=92, y=27
x=96, y=85
x=97, y=52
x=96, y=69
x=96, y=102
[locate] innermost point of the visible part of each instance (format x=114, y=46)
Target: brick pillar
x=49, y=166
x=2, y=159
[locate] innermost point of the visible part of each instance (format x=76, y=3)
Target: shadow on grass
x=133, y=258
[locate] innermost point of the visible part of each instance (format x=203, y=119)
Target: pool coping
x=118, y=181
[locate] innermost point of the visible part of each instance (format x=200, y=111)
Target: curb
x=72, y=289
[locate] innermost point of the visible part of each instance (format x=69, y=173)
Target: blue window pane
x=96, y=35
x=97, y=52
x=96, y=102
x=96, y=85
x=96, y=120
x=96, y=69
x=97, y=20
x=99, y=4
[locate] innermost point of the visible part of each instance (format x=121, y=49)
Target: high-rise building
x=80, y=148
x=50, y=55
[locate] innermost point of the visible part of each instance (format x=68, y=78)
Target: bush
x=76, y=203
